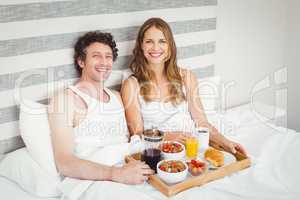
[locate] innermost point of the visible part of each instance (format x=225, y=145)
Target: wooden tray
x=211, y=175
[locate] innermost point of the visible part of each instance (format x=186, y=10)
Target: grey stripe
x=204, y=72
x=196, y=50
x=63, y=72
x=53, y=42
x=11, y=113
x=10, y=13
x=11, y=144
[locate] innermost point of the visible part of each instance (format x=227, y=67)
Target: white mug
x=202, y=133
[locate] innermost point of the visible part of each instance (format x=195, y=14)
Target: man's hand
x=134, y=172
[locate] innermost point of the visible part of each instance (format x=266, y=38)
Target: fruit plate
x=232, y=163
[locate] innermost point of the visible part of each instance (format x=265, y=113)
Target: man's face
x=98, y=63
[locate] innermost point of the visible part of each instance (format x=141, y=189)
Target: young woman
x=160, y=94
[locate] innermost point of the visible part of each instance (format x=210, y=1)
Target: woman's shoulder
x=131, y=81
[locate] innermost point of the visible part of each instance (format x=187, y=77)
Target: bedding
x=20, y=168
x=273, y=174
x=35, y=132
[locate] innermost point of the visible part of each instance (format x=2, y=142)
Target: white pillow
x=35, y=131
x=209, y=92
x=19, y=167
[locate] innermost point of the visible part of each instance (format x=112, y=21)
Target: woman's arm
x=129, y=93
x=199, y=117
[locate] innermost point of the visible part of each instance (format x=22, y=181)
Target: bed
x=273, y=175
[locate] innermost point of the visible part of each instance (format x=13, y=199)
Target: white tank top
x=165, y=116
x=104, y=124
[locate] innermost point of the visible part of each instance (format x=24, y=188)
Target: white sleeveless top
x=104, y=124
x=165, y=116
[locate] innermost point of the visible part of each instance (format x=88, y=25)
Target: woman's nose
x=156, y=46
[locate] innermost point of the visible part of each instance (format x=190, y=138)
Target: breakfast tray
x=241, y=163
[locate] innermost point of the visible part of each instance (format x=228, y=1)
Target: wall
x=36, y=39
x=250, y=42
x=292, y=50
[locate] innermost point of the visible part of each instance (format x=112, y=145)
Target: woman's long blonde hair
x=143, y=74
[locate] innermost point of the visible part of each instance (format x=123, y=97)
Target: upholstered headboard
x=36, y=41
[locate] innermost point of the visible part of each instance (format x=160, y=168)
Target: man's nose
x=103, y=61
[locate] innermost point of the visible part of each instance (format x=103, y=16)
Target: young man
x=87, y=116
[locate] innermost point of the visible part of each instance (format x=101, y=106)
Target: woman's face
x=155, y=46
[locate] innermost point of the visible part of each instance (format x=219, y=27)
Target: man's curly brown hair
x=87, y=39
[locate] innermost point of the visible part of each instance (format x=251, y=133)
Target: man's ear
x=80, y=62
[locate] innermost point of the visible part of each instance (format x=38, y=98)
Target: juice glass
x=192, y=146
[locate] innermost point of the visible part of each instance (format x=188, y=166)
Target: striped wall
x=36, y=39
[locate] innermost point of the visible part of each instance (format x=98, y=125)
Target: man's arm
x=61, y=116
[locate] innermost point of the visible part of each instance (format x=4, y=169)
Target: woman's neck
x=159, y=72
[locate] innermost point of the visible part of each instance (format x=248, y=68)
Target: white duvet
x=273, y=175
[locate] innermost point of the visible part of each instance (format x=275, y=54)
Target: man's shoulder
x=117, y=94
x=63, y=96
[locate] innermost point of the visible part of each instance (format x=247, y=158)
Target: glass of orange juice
x=191, y=145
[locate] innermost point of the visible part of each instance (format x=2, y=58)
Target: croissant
x=215, y=157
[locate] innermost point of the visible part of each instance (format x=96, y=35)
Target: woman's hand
x=177, y=136
x=233, y=147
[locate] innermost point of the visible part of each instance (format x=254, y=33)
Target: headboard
x=36, y=40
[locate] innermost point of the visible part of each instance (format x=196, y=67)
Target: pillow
x=209, y=92
x=35, y=132
x=19, y=167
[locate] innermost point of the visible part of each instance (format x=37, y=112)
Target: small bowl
x=173, y=156
x=172, y=177
x=197, y=167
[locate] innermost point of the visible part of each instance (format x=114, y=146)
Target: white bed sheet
x=11, y=191
x=262, y=141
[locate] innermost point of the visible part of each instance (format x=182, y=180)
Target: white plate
x=228, y=159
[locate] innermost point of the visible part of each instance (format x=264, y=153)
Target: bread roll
x=215, y=157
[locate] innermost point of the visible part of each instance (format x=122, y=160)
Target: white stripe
x=192, y=38
x=15, y=2
x=34, y=28
x=20, y=63
x=197, y=62
x=46, y=90
x=9, y=130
